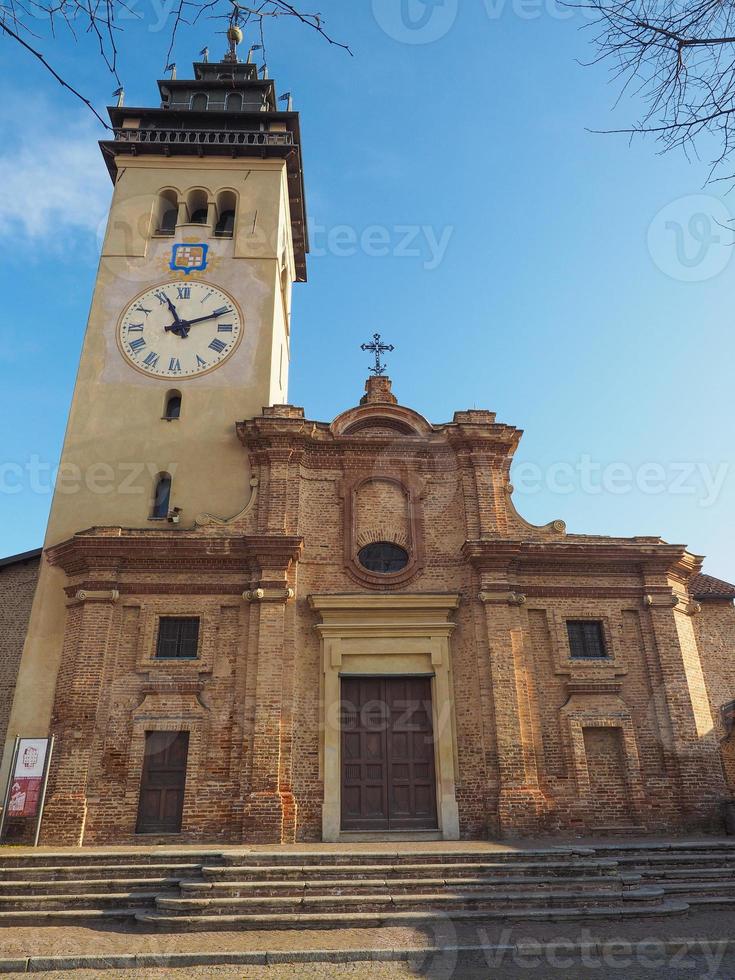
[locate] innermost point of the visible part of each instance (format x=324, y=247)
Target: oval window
x=383, y=557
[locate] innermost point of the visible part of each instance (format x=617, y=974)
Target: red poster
x=25, y=788
x=24, y=795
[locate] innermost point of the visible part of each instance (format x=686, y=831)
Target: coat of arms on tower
x=189, y=258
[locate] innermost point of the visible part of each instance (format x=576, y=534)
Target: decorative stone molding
x=666, y=600
x=205, y=520
x=502, y=598
x=99, y=595
x=268, y=595
x=404, y=525
x=399, y=634
x=693, y=607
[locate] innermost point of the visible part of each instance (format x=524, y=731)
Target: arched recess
x=167, y=212
x=226, y=213
x=382, y=511
x=197, y=207
x=199, y=102
x=233, y=103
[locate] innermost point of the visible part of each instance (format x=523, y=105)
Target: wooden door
x=162, y=783
x=388, y=780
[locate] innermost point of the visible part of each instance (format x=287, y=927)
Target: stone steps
x=325, y=859
x=445, y=899
x=409, y=869
x=75, y=872
x=315, y=888
x=130, y=900
x=72, y=886
x=90, y=858
x=398, y=885
x=159, y=919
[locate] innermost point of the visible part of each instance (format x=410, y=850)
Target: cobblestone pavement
x=101, y=940
x=694, y=968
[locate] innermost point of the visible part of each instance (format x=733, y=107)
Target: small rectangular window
x=178, y=638
x=586, y=639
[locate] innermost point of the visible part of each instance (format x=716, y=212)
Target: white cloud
x=53, y=180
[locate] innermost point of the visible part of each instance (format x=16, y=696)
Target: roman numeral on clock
x=217, y=345
x=200, y=362
x=152, y=359
x=224, y=327
x=136, y=344
x=221, y=311
x=174, y=365
x=135, y=328
x=183, y=292
x=161, y=297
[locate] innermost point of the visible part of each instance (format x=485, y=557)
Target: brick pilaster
x=521, y=802
x=87, y=637
x=692, y=735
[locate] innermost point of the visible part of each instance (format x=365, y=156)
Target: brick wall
x=715, y=630
x=17, y=587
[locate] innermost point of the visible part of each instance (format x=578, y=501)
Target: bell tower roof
x=228, y=110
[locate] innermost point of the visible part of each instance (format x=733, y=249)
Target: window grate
x=586, y=639
x=383, y=557
x=178, y=638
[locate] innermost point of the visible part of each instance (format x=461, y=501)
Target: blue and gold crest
x=189, y=258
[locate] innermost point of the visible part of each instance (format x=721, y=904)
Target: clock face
x=179, y=329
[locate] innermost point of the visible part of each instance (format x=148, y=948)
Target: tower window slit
x=172, y=407
x=162, y=497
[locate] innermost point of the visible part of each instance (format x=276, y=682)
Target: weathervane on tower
x=378, y=369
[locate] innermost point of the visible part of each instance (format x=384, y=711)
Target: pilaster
x=89, y=623
x=693, y=738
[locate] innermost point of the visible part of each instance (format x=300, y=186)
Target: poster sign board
x=28, y=777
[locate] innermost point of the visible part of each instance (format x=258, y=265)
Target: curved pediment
x=380, y=421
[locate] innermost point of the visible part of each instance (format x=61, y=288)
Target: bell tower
x=189, y=325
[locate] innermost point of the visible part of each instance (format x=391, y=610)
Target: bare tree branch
x=37, y=54
x=678, y=58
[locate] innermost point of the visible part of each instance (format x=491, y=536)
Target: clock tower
x=188, y=331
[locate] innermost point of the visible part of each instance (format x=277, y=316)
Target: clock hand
x=209, y=316
x=179, y=326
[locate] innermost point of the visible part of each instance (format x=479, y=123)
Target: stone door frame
x=387, y=634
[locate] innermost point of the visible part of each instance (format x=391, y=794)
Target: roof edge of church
x=708, y=588
x=21, y=557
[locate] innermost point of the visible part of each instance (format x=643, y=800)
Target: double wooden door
x=163, y=782
x=388, y=780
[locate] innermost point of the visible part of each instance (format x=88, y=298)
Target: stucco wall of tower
x=116, y=440
x=17, y=586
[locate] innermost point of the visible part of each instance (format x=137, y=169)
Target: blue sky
x=459, y=205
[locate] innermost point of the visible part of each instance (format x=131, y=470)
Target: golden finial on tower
x=234, y=36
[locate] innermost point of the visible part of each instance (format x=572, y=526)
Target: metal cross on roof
x=377, y=348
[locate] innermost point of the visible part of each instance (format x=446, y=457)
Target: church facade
x=273, y=629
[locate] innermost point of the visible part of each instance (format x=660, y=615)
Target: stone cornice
x=607, y=554
x=403, y=601
x=120, y=550
x=362, y=429
x=387, y=615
